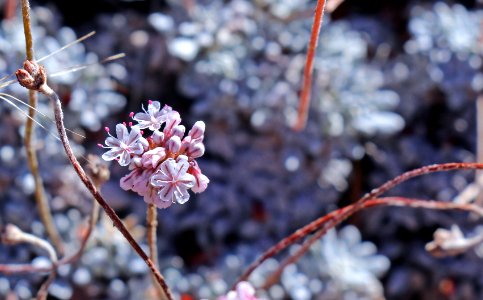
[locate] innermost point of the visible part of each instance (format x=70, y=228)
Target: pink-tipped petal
x=198, y=130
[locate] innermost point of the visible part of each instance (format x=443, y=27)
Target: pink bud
x=131, y=114
x=158, y=137
x=150, y=101
x=174, y=144
x=201, y=181
x=137, y=161
x=106, y=129
x=198, y=130
x=100, y=145
x=130, y=124
x=178, y=131
x=196, y=150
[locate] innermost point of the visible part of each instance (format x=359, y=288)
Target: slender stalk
x=27, y=29
x=46, y=90
x=317, y=224
x=340, y=215
x=479, y=148
x=44, y=288
x=40, y=198
x=152, y=225
x=13, y=235
x=304, y=102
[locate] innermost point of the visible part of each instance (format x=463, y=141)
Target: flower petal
x=134, y=136
x=166, y=192
x=121, y=132
x=140, y=117
x=187, y=180
x=154, y=107
x=125, y=158
x=181, y=194
x=112, y=142
x=112, y=154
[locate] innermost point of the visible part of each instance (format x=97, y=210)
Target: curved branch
x=348, y=210
x=343, y=213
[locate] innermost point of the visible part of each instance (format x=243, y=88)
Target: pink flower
x=151, y=158
x=163, y=165
x=124, y=145
x=244, y=291
x=173, y=180
x=137, y=181
x=153, y=118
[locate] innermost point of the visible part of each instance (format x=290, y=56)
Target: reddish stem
x=303, y=110
x=340, y=215
x=317, y=224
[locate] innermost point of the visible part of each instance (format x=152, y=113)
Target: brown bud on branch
x=32, y=76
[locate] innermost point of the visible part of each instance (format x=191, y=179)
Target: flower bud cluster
x=163, y=165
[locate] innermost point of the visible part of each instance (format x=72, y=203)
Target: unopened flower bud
x=201, y=181
x=158, y=137
x=137, y=161
x=12, y=235
x=32, y=76
x=198, y=130
x=97, y=170
x=174, y=144
x=144, y=142
x=178, y=131
x=195, y=150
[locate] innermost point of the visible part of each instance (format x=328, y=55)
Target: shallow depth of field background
x=395, y=88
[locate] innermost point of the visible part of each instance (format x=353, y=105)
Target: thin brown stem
x=27, y=29
x=44, y=288
x=304, y=101
x=341, y=214
x=479, y=148
x=13, y=236
x=40, y=197
x=317, y=224
x=152, y=225
x=46, y=90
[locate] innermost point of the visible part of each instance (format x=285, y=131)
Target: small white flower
x=152, y=118
x=124, y=145
x=173, y=180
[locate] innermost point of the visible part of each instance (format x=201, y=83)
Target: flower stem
x=304, y=101
x=152, y=225
x=40, y=198
x=59, y=121
x=349, y=210
x=13, y=236
x=479, y=148
x=338, y=216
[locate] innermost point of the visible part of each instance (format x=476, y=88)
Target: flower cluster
x=163, y=166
